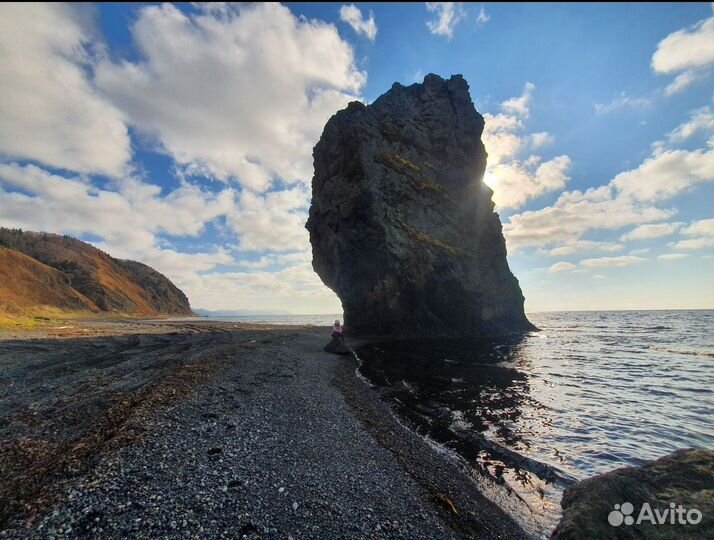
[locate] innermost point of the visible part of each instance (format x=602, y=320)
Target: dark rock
x=684, y=478
x=401, y=224
x=337, y=346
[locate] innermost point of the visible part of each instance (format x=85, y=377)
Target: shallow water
x=590, y=392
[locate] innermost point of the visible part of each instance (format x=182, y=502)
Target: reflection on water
x=591, y=392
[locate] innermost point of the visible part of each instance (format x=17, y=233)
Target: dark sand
x=124, y=429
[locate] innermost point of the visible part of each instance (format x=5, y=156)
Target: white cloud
x=562, y=267
x=520, y=106
x=514, y=180
x=50, y=111
x=628, y=199
x=646, y=232
x=701, y=227
x=542, y=138
x=575, y=246
x=666, y=174
x=296, y=287
x=606, y=262
x=672, y=256
x=240, y=93
x=128, y=218
x=694, y=243
x=700, y=120
x=683, y=80
x=689, y=52
x=272, y=222
x=703, y=233
x=623, y=101
x=573, y=214
x=352, y=15
x=482, y=16
x=448, y=15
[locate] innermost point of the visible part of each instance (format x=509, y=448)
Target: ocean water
x=588, y=393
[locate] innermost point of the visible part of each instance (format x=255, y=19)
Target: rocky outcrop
x=680, y=484
x=402, y=226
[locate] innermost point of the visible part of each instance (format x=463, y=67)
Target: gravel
x=279, y=440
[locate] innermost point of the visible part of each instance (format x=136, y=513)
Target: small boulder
x=622, y=504
x=337, y=346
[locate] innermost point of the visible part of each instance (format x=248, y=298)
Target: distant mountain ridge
x=44, y=270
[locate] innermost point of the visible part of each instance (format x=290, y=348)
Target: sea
x=589, y=392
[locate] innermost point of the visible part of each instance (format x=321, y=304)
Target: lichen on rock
x=402, y=226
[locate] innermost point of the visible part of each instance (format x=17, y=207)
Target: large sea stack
x=402, y=226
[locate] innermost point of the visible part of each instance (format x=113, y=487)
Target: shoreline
x=203, y=429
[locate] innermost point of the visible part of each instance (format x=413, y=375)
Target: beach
x=155, y=429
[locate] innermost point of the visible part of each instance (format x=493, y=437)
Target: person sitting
x=337, y=329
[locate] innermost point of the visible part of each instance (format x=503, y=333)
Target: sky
x=181, y=136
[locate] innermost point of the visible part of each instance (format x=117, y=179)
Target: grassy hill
x=43, y=274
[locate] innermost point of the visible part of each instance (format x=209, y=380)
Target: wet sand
x=115, y=429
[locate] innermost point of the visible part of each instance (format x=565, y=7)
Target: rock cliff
x=402, y=226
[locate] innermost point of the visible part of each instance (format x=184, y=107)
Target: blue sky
x=181, y=135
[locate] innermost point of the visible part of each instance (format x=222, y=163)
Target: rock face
x=401, y=224
x=683, y=479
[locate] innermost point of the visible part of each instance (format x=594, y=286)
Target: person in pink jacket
x=337, y=329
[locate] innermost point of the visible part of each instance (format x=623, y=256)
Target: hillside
x=40, y=271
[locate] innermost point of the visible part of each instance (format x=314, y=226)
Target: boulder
x=402, y=226
x=682, y=482
x=337, y=346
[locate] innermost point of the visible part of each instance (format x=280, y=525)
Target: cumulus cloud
x=515, y=180
x=701, y=227
x=688, y=52
x=666, y=174
x=575, y=213
x=448, y=15
x=352, y=15
x=562, y=267
x=632, y=197
x=655, y=230
x=702, y=232
x=604, y=262
x=51, y=112
x=520, y=106
x=272, y=222
x=240, y=93
x=128, y=218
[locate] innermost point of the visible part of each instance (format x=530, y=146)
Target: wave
x=692, y=352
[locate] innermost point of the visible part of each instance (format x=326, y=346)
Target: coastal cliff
x=45, y=273
x=402, y=226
